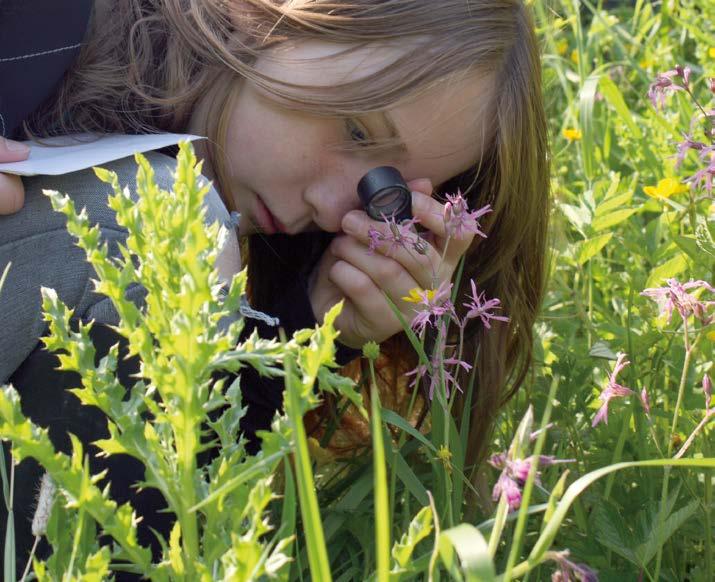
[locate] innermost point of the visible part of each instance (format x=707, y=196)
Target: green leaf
x=464, y=550
x=592, y=246
x=420, y=528
x=577, y=487
x=613, y=95
x=612, y=218
x=670, y=268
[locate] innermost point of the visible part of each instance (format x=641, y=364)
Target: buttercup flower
x=676, y=296
x=612, y=390
x=665, y=188
x=572, y=134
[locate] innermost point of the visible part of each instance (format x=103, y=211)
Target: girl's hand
x=12, y=192
x=347, y=270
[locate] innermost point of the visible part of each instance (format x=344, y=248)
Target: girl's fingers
x=396, y=273
x=362, y=291
x=12, y=193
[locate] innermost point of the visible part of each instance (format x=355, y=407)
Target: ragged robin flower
x=676, y=297
x=612, y=390
x=458, y=219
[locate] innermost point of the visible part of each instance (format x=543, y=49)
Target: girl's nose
x=332, y=198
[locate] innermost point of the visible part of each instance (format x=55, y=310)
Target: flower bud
x=712, y=85
x=371, y=350
x=708, y=390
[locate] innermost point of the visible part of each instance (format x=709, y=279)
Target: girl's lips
x=267, y=221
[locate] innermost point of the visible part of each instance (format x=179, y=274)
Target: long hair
x=146, y=63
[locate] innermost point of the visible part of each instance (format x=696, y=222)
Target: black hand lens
x=383, y=191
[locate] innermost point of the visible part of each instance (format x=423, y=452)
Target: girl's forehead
x=444, y=127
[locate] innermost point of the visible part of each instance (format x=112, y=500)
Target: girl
x=299, y=99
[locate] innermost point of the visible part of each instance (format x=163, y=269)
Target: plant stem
x=666, y=473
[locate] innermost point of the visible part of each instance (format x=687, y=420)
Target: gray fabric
x=42, y=253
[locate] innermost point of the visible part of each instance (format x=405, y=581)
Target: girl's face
x=286, y=169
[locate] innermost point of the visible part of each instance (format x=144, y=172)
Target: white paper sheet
x=66, y=154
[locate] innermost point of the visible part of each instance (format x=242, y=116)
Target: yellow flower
x=711, y=52
x=645, y=63
x=665, y=188
x=562, y=46
x=711, y=335
x=574, y=57
x=572, y=134
x=415, y=297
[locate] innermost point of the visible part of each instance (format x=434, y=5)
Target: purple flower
x=687, y=144
x=612, y=390
x=481, y=308
x=458, y=219
x=431, y=305
x=645, y=401
x=569, y=570
x=437, y=363
x=664, y=84
x=400, y=235
x=505, y=485
x=676, y=296
x=704, y=175
x=516, y=471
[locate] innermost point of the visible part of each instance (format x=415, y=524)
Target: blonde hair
x=146, y=64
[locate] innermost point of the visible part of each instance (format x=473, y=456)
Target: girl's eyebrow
x=393, y=132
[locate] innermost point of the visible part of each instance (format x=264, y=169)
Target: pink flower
x=569, y=570
x=436, y=375
x=612, y=390
x=645, y=401
x=432, y=305
x=505, y=485
x=704, y=175
x=481, y=308
x=516, y=472
x=675, y=296
x=687, y=144
x=400, y=235
x=458, y=219
x=664, y=84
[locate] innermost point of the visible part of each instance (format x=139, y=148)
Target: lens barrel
x=383, y=191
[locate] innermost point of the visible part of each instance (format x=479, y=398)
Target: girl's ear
x=423, y=185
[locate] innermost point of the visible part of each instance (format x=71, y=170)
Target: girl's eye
x=356, y=132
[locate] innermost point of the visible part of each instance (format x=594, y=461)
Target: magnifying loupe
x=383, y=191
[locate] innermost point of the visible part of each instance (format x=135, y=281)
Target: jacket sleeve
x=39, y=41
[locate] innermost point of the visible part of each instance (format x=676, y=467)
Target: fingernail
x=351, y=222
x=16, y=146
